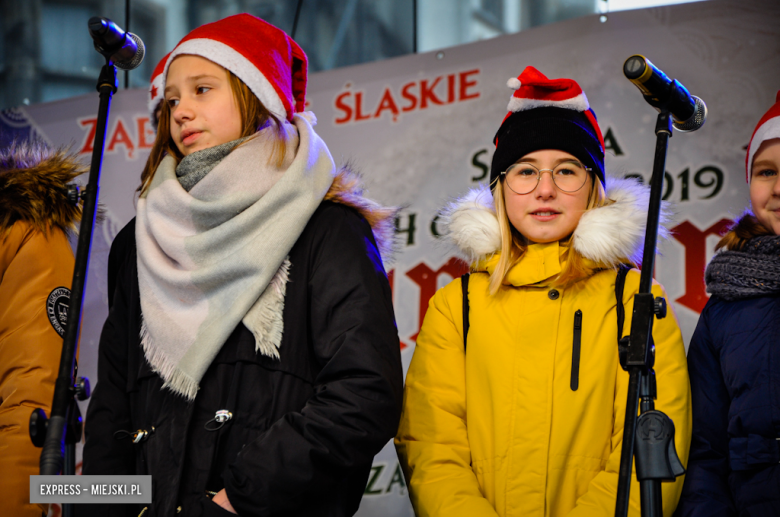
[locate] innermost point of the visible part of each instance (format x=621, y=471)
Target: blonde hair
x=254, y=116
x=514, y=244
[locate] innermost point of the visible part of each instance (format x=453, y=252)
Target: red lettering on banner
x=460, y=87
x=359, y=108
x=89, y=142
x=465, y=84
x=408, y=96
x=346, y=108
x=391, y=281
x=387, y=103
x=427, y=93
x=694, y=241
x=142, y=125
x=121, y=136
x=427, y=279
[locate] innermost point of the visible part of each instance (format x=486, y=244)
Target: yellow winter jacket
x=499, y=430
x=36, y=261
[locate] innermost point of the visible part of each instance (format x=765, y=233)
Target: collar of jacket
x=540, y=264
x=347, y=189
x=604, y=236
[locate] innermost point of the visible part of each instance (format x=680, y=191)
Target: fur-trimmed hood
x=33, y=187
x=347, y=189
x=606, y=235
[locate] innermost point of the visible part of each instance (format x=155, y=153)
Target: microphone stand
x=656, y=457
x=64, y=425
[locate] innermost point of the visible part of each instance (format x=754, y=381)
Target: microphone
x=124, y=49
x=688, y=111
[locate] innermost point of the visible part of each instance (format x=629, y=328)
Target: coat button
x=553, y=294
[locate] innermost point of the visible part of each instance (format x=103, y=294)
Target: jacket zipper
x=575, y=351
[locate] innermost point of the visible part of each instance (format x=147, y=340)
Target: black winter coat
x=734, y=366
x=304, y=429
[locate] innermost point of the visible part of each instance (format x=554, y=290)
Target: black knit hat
x=548, y=114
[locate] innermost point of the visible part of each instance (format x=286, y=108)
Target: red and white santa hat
x=156, y=86
x=534, y=90
x=265, y=58
x=768, y=128
x=547, y=114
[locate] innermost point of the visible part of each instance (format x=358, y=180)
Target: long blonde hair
x=254, y=116
x=514, y=244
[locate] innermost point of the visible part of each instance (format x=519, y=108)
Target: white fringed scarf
x=216, y=256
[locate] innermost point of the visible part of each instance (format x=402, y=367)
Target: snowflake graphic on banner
x=16, y=125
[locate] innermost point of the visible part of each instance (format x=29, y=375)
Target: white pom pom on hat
x=514, y=83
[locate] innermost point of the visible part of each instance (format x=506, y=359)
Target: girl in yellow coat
x=529, y=421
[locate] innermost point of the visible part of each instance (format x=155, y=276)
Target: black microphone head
x=124, y=49
x=136, y=58
x=696, y=120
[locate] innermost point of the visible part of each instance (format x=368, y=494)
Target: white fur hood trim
x=605, y=235
x=470, y=224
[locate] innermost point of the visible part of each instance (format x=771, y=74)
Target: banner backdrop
x=420, y=129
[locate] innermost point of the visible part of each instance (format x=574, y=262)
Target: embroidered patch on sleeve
x=57, y=309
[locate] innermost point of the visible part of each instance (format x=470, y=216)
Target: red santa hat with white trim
x=156, y=87
x=548, y=114
x=265, y=58
x=767, y=129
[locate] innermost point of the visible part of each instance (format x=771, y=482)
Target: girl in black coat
x=734, y=359
x=250, y=361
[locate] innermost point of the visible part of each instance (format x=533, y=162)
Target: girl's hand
x=222, y=499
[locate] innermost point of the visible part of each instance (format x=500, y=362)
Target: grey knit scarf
x=754, y=271
x=194, y=167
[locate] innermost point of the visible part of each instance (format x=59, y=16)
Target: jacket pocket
x=575, y=351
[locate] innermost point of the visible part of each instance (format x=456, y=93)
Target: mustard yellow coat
x=499, y=430
x=32, y=265
x=35, y=260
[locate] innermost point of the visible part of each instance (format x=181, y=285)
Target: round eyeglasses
x=523, y=178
